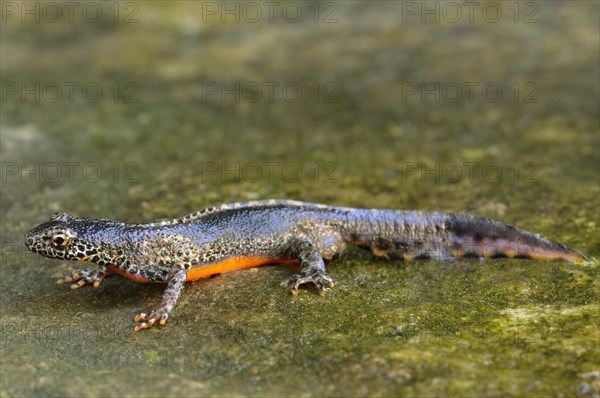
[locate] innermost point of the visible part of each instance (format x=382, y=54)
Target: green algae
x=423, y=328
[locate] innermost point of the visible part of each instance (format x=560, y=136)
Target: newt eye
x=60, y=240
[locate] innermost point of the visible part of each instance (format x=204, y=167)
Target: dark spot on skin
x=81, y=255
x=91, y=252
x=382, y=244
x=471, y=255
x=498, y=255
x=95, y=259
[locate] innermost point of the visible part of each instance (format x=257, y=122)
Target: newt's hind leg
x=312, y=267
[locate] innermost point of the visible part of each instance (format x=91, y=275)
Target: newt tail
x=243, y=235
x=477, y=236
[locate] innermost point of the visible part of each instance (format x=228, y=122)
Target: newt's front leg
x=174, y=288
x=84, y=277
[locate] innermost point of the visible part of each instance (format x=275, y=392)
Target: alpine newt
x=243, y=235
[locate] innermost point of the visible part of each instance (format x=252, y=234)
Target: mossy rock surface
x=358, y=136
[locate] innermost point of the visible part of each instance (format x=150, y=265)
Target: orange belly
x=215, y=268
x=126, y=275
x=233, y=264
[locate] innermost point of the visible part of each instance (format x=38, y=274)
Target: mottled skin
x=242, y=235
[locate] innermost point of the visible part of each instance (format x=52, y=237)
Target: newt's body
x=243, y=235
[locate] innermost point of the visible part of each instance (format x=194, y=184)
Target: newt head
x=65, y=237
